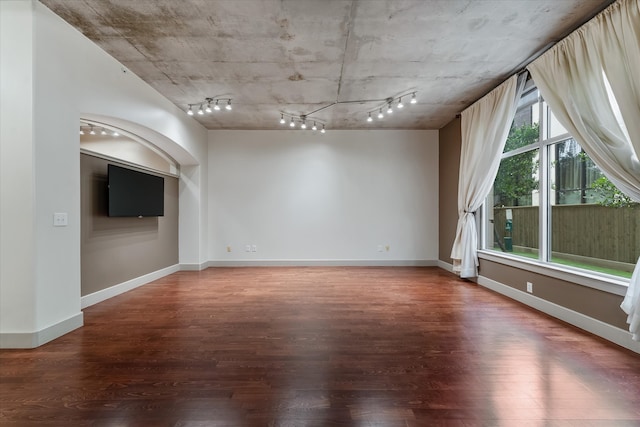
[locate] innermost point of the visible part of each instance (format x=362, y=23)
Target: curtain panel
x=485, y=127
x=573, y=77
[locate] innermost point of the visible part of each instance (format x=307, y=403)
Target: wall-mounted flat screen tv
x=134, y=193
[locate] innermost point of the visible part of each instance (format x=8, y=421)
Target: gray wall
x=114, y=250
x=449, y=161
x=597, y=304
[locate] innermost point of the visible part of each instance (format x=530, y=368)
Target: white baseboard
x=445, y=266
x=104, y=294
x=194, y=267
x=589, y=324
x=324, y=263
x=43, y=336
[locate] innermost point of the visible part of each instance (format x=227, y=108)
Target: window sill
x=603, y=282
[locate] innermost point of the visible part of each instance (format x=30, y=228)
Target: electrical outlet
x=247, y=248
x=530, y=287
x=60, y=219
x=379, y=248
x=228, y=248
x=387, y=248
x=254, y=248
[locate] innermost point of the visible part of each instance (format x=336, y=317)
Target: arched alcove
x=121, y=146
x=120, y=253
x=143, y=134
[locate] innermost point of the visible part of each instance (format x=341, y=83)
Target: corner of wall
x=450, y=142
x=43, y=336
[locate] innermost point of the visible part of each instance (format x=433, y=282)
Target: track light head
x=81, y=131
x=190, y=111
x=384, y=104
x=216, y=107
x=228, y=106
x=200, y=110
x=92, y=132
x=115, y=133
x=208, y=109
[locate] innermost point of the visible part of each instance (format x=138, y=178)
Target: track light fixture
x=387, y=104
x=90, y=128
x=302, y=120
x=208, y=106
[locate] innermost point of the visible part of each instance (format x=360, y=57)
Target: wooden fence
x=585, y=230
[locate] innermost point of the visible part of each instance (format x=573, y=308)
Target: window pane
x=525, y=126
x=515, y=205
x=593, y=225
x=572, y=174
x=555, y=128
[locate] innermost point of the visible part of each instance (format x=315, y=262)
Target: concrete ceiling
x=296, y=56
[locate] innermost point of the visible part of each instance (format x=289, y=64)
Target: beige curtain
x=485, y=127
x=572, y=77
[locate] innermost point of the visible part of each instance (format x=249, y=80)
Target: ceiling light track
x=303, y=122
x=93, y=129
x=209, y=105
x=385, y=104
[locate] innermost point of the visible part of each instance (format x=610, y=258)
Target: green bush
x=609, y=195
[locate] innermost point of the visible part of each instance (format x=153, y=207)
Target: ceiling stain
x=300, y=51
x=296, y=77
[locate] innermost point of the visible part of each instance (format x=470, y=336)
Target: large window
x=550, y=202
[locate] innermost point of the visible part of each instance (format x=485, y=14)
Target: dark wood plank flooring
x=319, y=347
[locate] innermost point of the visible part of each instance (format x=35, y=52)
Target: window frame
x=543, y=264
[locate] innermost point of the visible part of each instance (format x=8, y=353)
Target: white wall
x=17, y=180
x=306, y=198
x=64, y=77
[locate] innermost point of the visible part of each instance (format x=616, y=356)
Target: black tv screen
x=133, y=193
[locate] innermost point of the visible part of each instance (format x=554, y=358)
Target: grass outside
x=584, y=266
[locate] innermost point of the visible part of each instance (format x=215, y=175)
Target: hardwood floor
x=319, y=347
